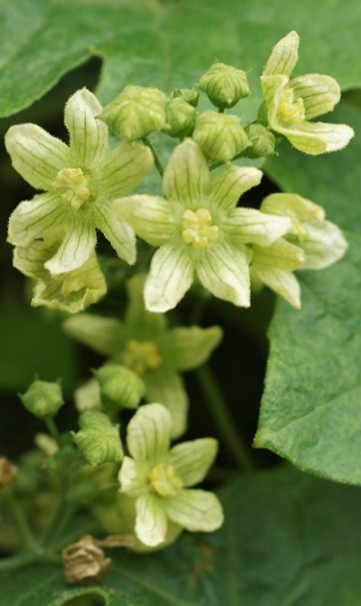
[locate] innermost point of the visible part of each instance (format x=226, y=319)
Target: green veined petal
x=122, y=169
x=192, y=460
x=319, y=93
x=38, y=219
x=187, y=348
x=186, y=176
x=88, y=134
x=151, y=217
x=166, y=386
x=106, y=336
x=148, y=433
x=120, y=235
x=170, y=277
x=284, y=56
x=195, y=510
x=151, y=521
x=230, y=184
x=78, y=244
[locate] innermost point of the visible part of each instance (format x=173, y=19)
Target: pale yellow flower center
x=164, y=481
x=290, y=111
x=140, y=356
x=73, y=187
x=198, y=230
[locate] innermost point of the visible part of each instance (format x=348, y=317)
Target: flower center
x=141, y=356
x=164, y=481
x=198, y=230
x=72, y=186
x=290, y=111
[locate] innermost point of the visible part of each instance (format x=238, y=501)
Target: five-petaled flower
x=158, y=478
x=199, y=229
x=145, y=344
x=80, y=182
x=290, y=104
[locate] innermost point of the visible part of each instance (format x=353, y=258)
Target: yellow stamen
x=197, y=228
x=72, y=186
x=140, y=356
x=164, y=481
x=290, y=111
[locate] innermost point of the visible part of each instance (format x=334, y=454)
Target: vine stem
x=217, y=405
x=26, y=559
x=157, y=162
x=25, y=530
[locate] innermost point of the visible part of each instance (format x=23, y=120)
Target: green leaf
x=310, y=411
x=166, y=43
x=289, y=538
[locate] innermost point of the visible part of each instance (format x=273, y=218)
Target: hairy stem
x=217, y=405
x=157, y=162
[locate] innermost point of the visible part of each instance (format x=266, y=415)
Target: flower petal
x=123, y=168
x=246, y=225
x=186, y=175
x=319, y=93
x=88, y=135
x=142, y=324
x=36, y=155
x=283, y=282
x=171, y=275
x=192, y=460
x=195, y=510
x=316, y=138
x=148, y=433
x=151, y=521
x=231, y=183
x=132, y=477
x=187, y=348
x=106, y=336
x=37, y=219
x=75, y=249
x=272, y=87
x=323, y=246
x=284, y=56
x=151, y=217
x=224, y=272
x=166, y=386
x=120, y=235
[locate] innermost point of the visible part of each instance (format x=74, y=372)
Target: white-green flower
x=145, y=344
x=72, y=291
x=159, y=478
x=290, y=104
x=199, y=229
x=80, y=182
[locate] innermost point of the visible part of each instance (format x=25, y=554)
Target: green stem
x=157, y=162
x=26, y=559
x=52, y=429
x=22, y=522
x=233, y=441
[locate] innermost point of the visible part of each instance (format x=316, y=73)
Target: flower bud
x=8, y=471
x=119, y=387
x=224, y=85
x=181, y=118
x=220, y=137
x=136, y=112
x=43, y=399
x=98, y=439
x=84, y=561
x=262, y=140
x=190, y=95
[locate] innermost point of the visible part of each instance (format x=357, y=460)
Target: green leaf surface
x=310, y=411
x=288, y=539
x=165, y=43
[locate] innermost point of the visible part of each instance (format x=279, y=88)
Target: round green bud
x=224, y=85
x=136, y=112
x=98, y=439
x=181, y=118
x=43, y=399
x=220, y=137
x=190, y=95
x=120, y=387
x=263, y=141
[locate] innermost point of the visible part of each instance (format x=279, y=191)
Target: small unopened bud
x=190, y=95
x=43, y=399
x=263, y=142
x=224, y=85
x=136, y=112
x=84, y=561
x=8, y=471
x=220, y=137
x=119, y=387
x=98, y=439
x=181, y=118
x=46, y=444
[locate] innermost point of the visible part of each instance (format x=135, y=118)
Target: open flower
x=80, y=182
x=71, y=291
x=159, y=478
x=291, y=103
x=199, y=229
x=146, y=345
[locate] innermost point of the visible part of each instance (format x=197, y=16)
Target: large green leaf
x=167, y=43
x=281, y=544
x=311, y=406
